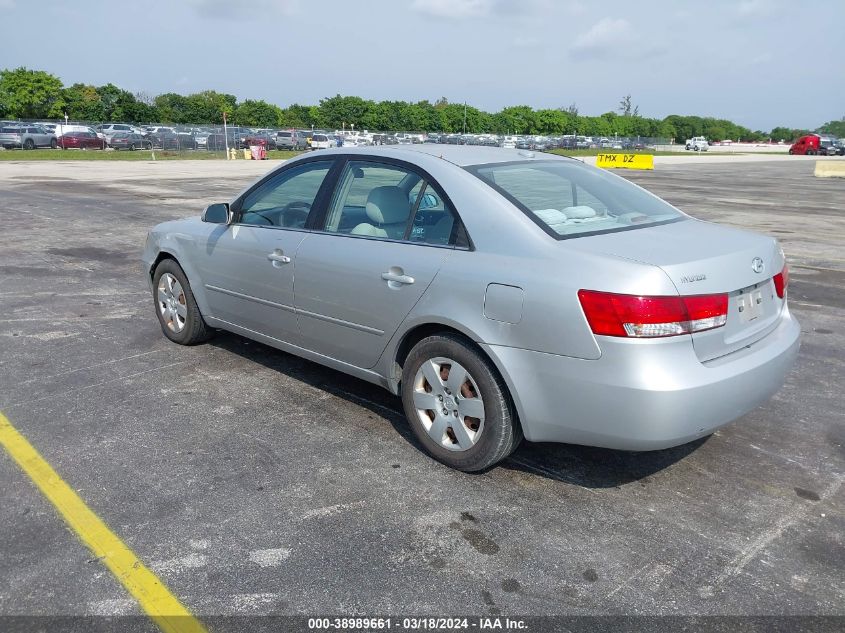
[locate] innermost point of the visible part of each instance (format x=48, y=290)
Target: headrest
x=387, y=205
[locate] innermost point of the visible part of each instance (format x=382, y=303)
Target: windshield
x=569, y=199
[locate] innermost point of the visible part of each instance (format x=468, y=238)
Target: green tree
x=515, y=120
x=172, y=108
x=338, y=112
x=30, y=94
x=208, y=106
x=257, y=113
x=836, y=128
x=83, y=103
x=296, y=116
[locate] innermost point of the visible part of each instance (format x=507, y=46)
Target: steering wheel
x=294, y=214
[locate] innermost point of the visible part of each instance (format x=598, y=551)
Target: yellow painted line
x=625, y=161
x=153, y=597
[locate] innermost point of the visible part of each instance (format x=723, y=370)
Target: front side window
x=388, y=201
x=568, y=198
x=286, y=199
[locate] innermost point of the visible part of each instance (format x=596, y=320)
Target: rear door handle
x=278, y=258
x=396, y=277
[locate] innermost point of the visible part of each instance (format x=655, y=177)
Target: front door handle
x=396, y=277
x=277, y=257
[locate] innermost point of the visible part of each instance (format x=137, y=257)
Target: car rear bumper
x=643, y=395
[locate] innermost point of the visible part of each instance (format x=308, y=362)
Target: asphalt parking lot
x=254, y=482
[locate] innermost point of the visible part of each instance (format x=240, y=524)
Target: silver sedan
x=502, y=294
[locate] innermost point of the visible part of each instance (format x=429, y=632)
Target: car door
x=247, y=267
x=383, y=239
x=39, y=138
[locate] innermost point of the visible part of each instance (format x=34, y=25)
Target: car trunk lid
x=702, y=258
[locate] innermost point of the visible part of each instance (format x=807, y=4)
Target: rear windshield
x=569, y=199
x=10, y=130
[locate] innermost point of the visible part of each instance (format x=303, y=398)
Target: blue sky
x=760, y=63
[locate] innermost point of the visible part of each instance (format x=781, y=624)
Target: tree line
x=36, y=94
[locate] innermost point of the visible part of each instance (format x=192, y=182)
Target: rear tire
x=177, y=311
x=481, y=441
x=132, y=147
x=29, y=144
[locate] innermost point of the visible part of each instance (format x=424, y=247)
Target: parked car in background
x=216, y=141
x=435, y=273
x=322, y=141
x=50, y=127
x=26, y=137
x=266, y=140
x=292, y=139
x=82, y=140
x=186, y=140
x=165, y=138
x=110, y=129
x=130, y=141
x=697, y=144
x=62, y=129
x=201, y=138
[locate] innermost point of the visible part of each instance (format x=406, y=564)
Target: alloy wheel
x=171, y=302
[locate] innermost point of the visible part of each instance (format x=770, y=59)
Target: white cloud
x=611, y=38
x=453, y=9
x=602, y=38
x=246, y=9
x=463, y=9
x=522, y=41
x=754, y=8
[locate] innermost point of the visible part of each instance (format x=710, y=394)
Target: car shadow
x=585, y=466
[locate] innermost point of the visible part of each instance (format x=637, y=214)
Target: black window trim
x=474, y=169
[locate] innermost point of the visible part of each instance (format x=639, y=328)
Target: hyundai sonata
x=500, y=293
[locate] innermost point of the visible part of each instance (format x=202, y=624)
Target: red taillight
x=636, y=316
x=782, y=281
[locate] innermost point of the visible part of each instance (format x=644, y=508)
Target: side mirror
x=216, y=213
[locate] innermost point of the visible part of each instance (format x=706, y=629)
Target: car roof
x=461, y=155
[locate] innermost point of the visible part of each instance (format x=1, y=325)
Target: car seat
x=387, y=209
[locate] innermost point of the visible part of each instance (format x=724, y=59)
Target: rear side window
x=390, y=202
x=569, y=199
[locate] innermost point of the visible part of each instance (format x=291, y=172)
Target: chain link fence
x=221, y=141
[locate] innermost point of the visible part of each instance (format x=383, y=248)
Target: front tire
x=457, y=404
x=175, y=306
x=53, y=143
